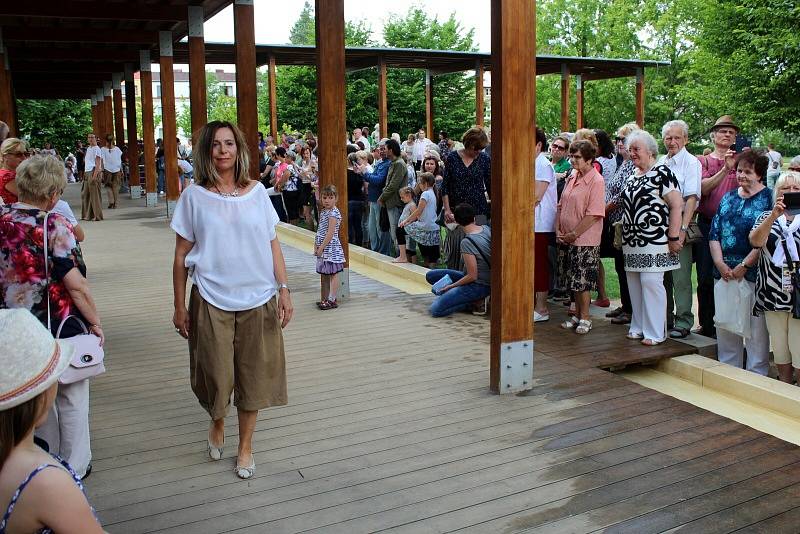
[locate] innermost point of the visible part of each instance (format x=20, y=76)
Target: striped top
x=333, y=252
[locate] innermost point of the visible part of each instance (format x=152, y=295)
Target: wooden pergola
x=436, y=62
x=82, y=49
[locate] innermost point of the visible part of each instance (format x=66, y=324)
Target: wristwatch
x=684, y=228
x=284, y=286
x=674, y=238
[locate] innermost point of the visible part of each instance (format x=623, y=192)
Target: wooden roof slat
x=71, y=35
x=161, y=12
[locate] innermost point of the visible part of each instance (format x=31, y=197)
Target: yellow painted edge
x=407, y=278
x=737, y=409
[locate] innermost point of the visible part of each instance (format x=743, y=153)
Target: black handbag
x=383, y=219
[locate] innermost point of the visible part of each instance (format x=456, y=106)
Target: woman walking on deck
x=235, y=312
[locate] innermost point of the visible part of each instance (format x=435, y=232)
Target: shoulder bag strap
x=479, y=250
x=46, y=272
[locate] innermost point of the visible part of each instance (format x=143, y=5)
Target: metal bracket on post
x=196, y=21
x=152, y=200
x=165, y=43
x=100, y=95
x=93, y=98
x=116, y=81
x=344, y=284
x=144, y=60
x=171, y=208
x=516, y=367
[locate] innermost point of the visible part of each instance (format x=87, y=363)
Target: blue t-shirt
x=732, y=224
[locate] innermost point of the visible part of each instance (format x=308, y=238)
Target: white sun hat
x=30, y=358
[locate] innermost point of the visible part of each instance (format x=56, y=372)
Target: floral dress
x=23, y=282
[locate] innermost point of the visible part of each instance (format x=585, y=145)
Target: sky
x=274, y=19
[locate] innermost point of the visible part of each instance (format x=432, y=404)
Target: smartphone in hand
x=792, y=203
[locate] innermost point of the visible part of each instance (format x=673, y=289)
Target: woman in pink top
x=580, y=226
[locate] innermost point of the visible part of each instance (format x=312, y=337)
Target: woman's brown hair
x=204, y=170
x=475, y=138
x=585, y=148
x=18, y=422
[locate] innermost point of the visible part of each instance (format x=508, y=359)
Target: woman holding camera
x=777, y=234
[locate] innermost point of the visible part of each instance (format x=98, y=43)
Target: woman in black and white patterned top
x=774, y=291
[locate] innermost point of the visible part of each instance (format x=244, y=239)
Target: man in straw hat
x=718, y=177
x=42, y=493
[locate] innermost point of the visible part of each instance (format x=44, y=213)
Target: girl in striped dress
x=328, y=249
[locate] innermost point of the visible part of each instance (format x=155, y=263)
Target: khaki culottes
x=236, y=352
x=91, y=199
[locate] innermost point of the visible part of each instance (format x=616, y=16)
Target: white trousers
x=649, y=305
x=66, y=430
x=730, y=346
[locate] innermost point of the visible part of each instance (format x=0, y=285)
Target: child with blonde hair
x=328, y=248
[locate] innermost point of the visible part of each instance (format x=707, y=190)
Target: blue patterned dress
x=732, y=224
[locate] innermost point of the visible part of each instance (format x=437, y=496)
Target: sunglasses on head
x=620, y=139
x=559, y=147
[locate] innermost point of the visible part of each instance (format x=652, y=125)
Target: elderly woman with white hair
x=53, y=291
x=777, y=234
x=651, y=220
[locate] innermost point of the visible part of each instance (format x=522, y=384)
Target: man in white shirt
x=112, y=170
x=775, y=164
x=688, y=171
x=359, y=136
x=546, y=198
x=420, y=146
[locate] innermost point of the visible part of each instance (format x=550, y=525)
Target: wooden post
x=246, y=102
x=564, y=98
x=640, y=97
x=429, y=105
x=579, y=101
x=101, y=117
x=197, y=72
x=93, y=98
x=108, y=95
x=7, y=104
x=119, y=121
x=330, y=111
x=383, y=105
x=168, y=120
x=134, y=181
x=479, y=106
x=513, y=105
x=273, y=102
x=148, y=129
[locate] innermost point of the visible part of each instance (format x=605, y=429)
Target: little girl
x=328, y=249
x=407, y=197
x=421, y=223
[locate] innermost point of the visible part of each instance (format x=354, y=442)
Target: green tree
x=220, y=105
x=61, y=122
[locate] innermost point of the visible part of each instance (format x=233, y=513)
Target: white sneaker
x=540, y=317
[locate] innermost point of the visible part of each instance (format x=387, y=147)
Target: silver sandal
x=215, y=453
x=246, y=471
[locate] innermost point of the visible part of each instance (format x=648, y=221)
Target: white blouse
x=231, y=261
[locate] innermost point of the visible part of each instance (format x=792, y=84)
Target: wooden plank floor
x=390, y=426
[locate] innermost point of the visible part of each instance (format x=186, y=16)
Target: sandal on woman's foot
x=634, y=335
x=246, y=471
x=651, y=342
x=584, y=326
x=570, y=323
x=328, y=305
x=616, y=312
x=678, y=333
x=214, y=452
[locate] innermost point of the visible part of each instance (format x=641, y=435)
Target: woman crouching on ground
x=236, y=312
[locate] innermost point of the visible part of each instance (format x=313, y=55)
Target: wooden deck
x=390, y=425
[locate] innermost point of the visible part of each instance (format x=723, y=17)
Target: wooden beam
x=119, y=120
x=513, y=104
x=429, y=105
x=273, y=101
x=564, y=98
x=77, y=9
x=383, y=106
x=50, y=55
x=579, y=102
x=480, y=110
x=246, y=101
x=640, y=97
x=197, y=72
x=69, y=35
x=168, y=121
x=148, y=128
x=76, y=67
x=331, y=102
x=134, y=181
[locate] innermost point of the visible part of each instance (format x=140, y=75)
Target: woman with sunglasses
x=13, y=151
